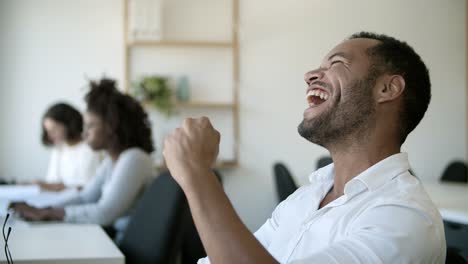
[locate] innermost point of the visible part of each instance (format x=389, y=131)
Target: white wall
x=46, y=46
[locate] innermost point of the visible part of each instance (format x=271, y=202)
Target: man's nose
x=314, y=75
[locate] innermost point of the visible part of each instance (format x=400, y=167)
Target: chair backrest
x=456, y=171
x=285, y=184
x=192, y=247
x=154, y=232
x=324, y=161
x=453, y=257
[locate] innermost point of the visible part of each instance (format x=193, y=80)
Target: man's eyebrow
x=339, y=54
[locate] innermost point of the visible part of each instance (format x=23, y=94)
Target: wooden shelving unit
x=203, y=105
x=231, y=45
x=206, y=105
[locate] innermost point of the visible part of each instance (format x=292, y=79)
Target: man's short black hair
x=66, y=115
x=393, y=56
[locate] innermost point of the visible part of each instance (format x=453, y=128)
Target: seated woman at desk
x=72, y=162
x=116, y=123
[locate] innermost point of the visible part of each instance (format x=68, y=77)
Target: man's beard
x=344, y=120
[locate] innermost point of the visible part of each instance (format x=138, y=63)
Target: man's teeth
x=318, y=93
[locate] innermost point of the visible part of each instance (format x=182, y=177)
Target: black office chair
x=324, y=161
x=453, y=257
x=154, y=233
x=285, y=184
x=192, y=247
x=456, y=171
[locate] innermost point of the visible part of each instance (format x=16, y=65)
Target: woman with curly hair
x=117, y=124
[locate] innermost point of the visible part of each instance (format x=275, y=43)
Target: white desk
x=60, y=243
x=451, y=199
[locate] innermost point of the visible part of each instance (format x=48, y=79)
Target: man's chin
x=306, y=129
x=310, y=131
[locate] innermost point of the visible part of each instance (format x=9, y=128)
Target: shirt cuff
x=204, y=261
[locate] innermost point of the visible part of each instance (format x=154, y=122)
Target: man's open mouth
x=317, y=96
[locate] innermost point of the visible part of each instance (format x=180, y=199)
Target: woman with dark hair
x=72, y=162
x=116, y=123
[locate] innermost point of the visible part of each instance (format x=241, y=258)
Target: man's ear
x=392, y=88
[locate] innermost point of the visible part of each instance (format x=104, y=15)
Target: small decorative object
x=145, y=19
x=154, y=89
x=183, y=89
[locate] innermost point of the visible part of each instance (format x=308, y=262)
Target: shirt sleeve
x=204, y=261
x=91, y=191
x=386, y=234
x=264, y=233
x=126, y=182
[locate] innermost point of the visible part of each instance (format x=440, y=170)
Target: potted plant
x=155, y=90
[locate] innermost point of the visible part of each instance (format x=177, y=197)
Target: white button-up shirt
x=384, y=216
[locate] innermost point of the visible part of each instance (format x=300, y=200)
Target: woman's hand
x=31, y=213
x=51, y=187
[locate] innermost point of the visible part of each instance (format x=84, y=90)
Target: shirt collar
x=374, y=177
x=323, y=174
x=384, y=171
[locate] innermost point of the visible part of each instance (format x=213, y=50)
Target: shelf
x=222, y=164
x=227, y=164
x=198, y=104
x=176, y=43
x=205, y=105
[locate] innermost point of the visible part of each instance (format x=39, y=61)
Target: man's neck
x=352, y=159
